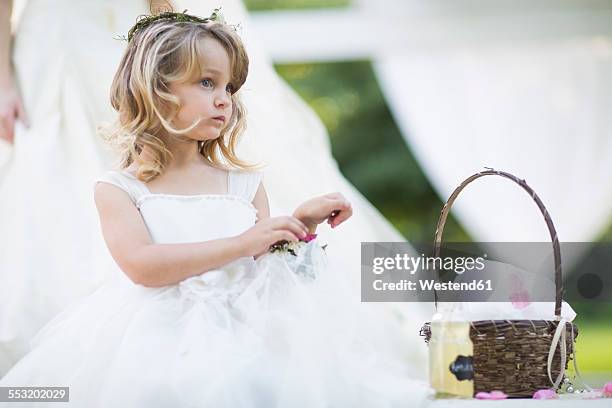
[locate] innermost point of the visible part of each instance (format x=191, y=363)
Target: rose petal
x=309, y=237
x=520, y=299
x=607, y=389
x=497, y=395
x=545, y=394
x=493, y=395
x=483, y=395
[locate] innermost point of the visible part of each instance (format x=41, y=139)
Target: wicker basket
x=512, y=355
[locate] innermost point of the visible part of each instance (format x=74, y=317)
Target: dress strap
x=244, y=183
x=127, y=182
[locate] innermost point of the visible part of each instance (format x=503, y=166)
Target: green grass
x=593, y=347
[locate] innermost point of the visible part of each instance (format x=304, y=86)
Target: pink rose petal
x=309, y=237
x=497, y=395
x=520, y=295
x=607, y=389
x=520, y=299
x=493, y=395
x=483, y=395
x=545, y=394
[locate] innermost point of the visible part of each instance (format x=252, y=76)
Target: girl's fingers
x=299, y=225
x=340, y=217
x=335, y=206
x=292, y=224
x=341, y=212
x=282, y=222
x=284, y=235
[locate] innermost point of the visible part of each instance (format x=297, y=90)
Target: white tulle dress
x=279, y=331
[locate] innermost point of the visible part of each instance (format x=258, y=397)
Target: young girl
x=204, y=314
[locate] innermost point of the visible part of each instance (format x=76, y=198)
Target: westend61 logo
x=520, y=273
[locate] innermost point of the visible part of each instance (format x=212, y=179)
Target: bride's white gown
x=281, y=331
x=51, y=249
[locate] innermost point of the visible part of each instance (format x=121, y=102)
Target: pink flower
x=309, y=237
x=607, y=389
x=493, y=395
x=545, y=394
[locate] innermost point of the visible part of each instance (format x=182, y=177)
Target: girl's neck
x=184, y=152
x=185, y=155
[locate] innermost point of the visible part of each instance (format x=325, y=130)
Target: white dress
x=281, y=331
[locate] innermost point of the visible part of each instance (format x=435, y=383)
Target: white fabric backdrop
x=539, y=109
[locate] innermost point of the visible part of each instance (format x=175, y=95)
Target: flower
x=217, y=16
x=309, y=237
x=292, y=247
x=545, y=394
x=493, y=395
x=607, y=389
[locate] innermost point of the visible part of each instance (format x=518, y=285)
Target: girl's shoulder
x=126, y=181
x=244, y=183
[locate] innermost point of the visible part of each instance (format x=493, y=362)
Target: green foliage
x=254, y=5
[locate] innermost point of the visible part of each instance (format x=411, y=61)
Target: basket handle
x=549, y=223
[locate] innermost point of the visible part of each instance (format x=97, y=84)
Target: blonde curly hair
x=157, y=55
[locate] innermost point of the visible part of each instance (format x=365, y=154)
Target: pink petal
x=309, y=237
x=483, y=395
x=520, y=299
x=545, y=394
x=607, y=389
x=497, y=395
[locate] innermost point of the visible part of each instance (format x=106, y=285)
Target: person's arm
x=151, y=264
x=11, y=106
x=6, y=9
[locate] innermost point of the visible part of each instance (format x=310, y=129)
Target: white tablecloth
x=518, y=403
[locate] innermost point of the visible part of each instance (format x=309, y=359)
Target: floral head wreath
x=146, y=20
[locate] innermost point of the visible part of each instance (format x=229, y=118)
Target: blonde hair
x=157, y=55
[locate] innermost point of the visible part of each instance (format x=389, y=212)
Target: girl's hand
x=11, y=109
x=331, y=207
x=259, y=238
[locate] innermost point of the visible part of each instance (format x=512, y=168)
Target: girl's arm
x=151, y=264
x=333, y=208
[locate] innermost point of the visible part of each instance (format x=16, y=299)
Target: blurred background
x=418, y=95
